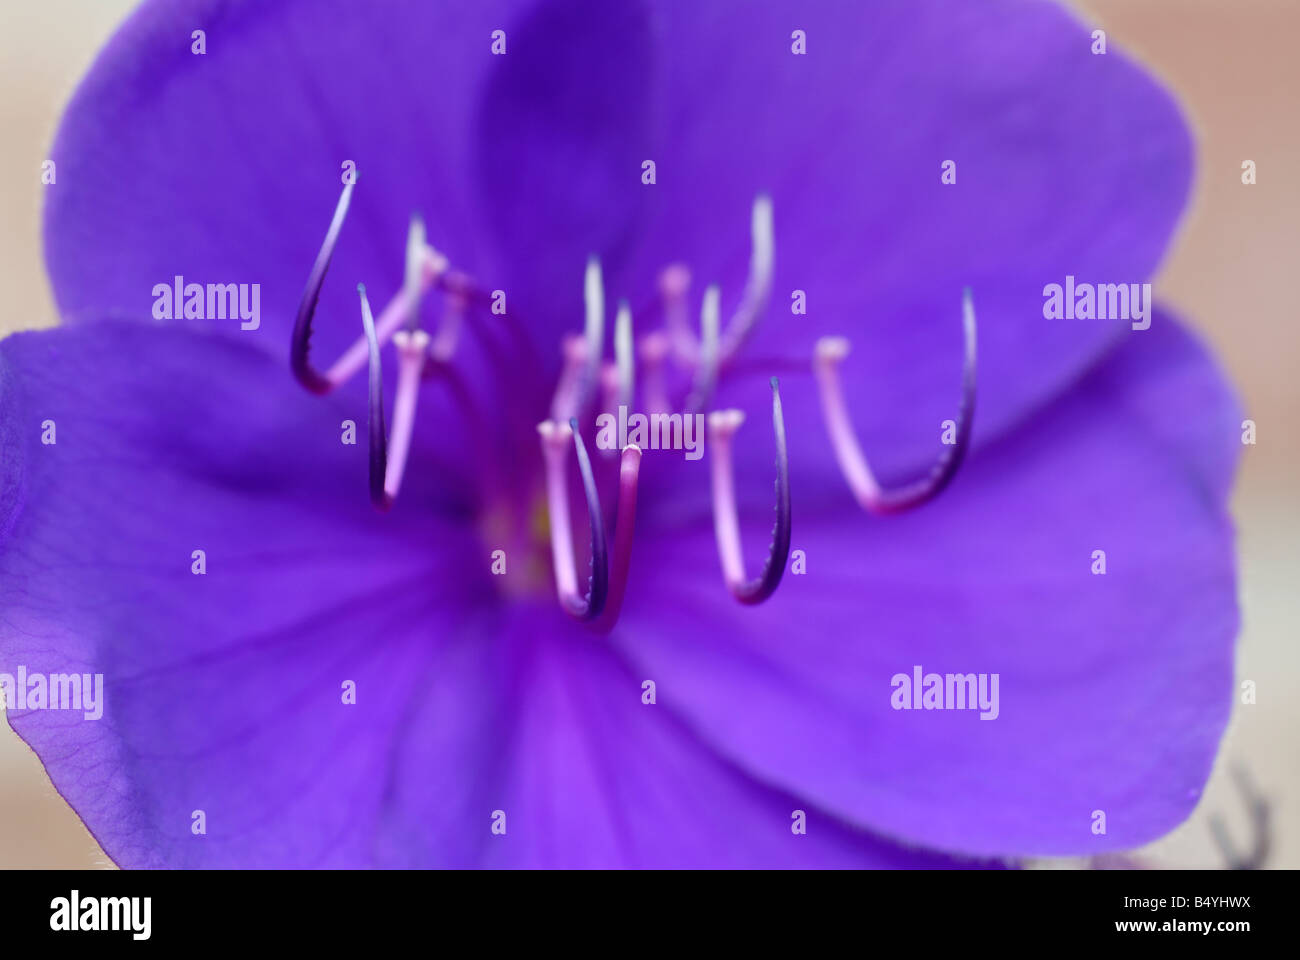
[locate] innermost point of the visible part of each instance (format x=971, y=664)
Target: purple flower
x=292, y=678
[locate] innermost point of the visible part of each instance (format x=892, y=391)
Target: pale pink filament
x=412, y=349
x=723, y=425
x=556, y=440
x=829, y=353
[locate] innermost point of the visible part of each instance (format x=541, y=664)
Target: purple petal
x=1114, y=689
x=223, y=691
x=224, y=167
x=1067, y=163
x=584, y=772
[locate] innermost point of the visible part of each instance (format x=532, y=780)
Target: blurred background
x=1233, y=65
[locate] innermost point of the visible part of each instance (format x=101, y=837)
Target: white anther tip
x=550, y=430
x=411, y=341
x=761, y=230
x=593, y=282
x=726, y=421
x=832, y=349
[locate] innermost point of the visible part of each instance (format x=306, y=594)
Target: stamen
x=593, y=296
x=412, y=348
x=567, y=401
x=432, y=265
x=1261, y=817
x=448, y=336
x=415, y=258
x=674, y=282
x=388, y=454
x=300, y=343
x=391, y=318
x=653, y=350
x=830, y=351
x=706, y=373
x=623, y=354
x=555, y=453
x=375, y=424
x=758, y=286
x=722, y=427
x=628, y=474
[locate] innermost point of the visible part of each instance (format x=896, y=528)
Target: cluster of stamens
x=586, y=382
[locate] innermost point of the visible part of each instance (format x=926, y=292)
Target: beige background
x=1234, y=65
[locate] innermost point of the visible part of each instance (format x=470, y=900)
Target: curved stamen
x=706, y=371
x=722, y=427
x=555, y=453
x=300, y=344
x=758, y=286
x=830, y=351
x=1260, y=814
x=424, y=266
x=628, y=473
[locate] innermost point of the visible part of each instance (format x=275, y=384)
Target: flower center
x=677, y=372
